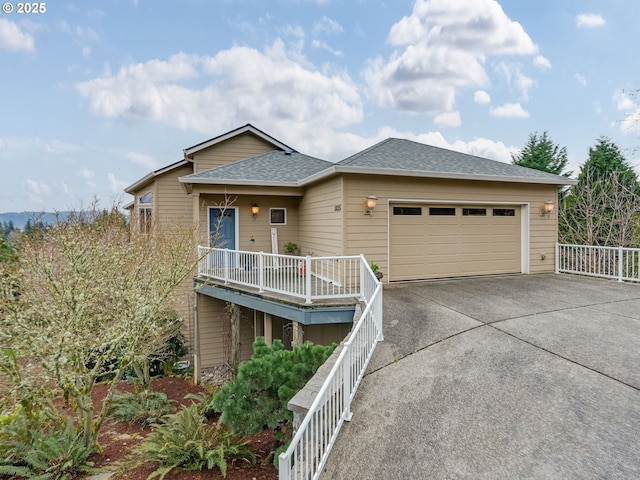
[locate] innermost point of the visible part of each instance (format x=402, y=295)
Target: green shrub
x=38, y=447
x=144, y=407
x=185, y=440
x=257, y=398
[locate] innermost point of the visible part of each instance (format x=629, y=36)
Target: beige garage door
x=435, y=241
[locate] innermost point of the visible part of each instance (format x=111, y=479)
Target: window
x=145, y=212
x=442, y=211
x=147, y=198
x=144, y=219
x=278, y=216
x=407, y=210
x=504, y=212
x=474, y=212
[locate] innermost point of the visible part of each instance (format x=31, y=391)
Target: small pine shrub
x=144, y=407
x=185, y=440
x=257, y=397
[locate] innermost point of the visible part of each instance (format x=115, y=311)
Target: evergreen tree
x=604, y=160
x=603, y=207
x=540, y=153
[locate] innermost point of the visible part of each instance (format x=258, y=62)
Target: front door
x=222, y=227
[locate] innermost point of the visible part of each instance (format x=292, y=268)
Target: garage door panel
x=432, y=246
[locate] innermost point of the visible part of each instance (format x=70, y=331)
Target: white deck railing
x=617, y=263
x=309, y=449
x=309, y=278
x=312, y=278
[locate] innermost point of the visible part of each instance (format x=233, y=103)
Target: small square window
x=278, y=216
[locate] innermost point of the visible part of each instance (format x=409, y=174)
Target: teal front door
x=222, y=228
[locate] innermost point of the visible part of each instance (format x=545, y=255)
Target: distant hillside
x=20, y=219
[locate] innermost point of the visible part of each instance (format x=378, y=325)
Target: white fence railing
x=308, y=278
x=617, y=263
x=318, y=431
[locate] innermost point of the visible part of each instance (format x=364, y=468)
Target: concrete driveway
x=530, y=376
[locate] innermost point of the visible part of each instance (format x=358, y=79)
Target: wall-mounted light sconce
x=252, y=241
x=255, y=210
x=372, y=201
x=547, y=208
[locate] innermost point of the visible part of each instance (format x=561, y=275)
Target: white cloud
x=13, y=38
x=264, y=88
x=442, y=46
x=89, y=176
x=581, y=80
x=448, y=119
x=35, y=191
x=542, y=62
x=318, y=44
x=3, y=145
x=631, y=122
x=326, y=26
x=116, y=185
x=623, y=101
x=512, y=72
x=509, y=110
x=481, y=97
x=142, y=160
x=590, y=20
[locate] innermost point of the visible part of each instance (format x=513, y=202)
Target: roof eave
x=222, y=181
x=150, y=176
x=454, y=176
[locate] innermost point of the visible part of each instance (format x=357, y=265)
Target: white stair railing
x=318, y=431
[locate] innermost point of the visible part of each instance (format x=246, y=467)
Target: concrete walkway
x=531, y=376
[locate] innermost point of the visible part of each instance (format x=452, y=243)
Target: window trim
x=277, y=209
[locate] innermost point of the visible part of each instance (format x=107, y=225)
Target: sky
x=96, y=94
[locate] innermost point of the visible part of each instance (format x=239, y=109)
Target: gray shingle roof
x=405, y=155
x=271, y=167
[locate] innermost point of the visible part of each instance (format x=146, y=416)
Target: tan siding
x=326, y=334
x=368, y=234
x=321, y=225
x=259, y=228
x=211, y=322
x=236, y=148
x=172, y=204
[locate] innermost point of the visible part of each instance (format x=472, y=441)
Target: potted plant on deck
x=291, y=248
x=376, y=271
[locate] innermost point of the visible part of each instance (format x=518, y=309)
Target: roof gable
x=248, y=128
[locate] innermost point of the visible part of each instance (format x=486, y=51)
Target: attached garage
x=451, y=240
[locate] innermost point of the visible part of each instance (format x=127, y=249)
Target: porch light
x=372, y=201
x=547, y=208
x=255, y=210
